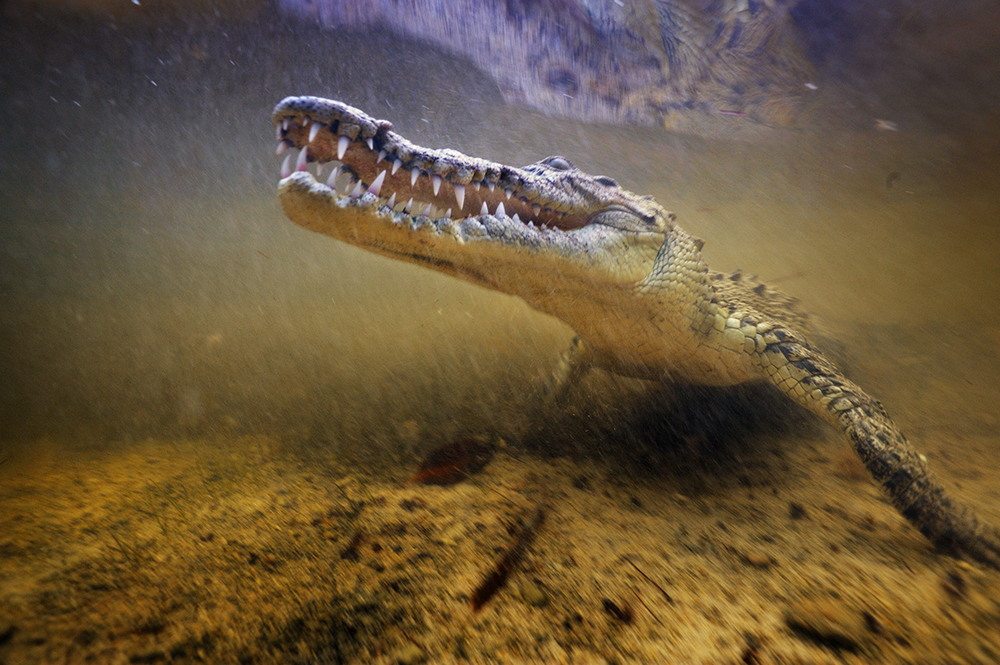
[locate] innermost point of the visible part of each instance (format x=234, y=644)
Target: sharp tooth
x=408, y=206
x=319, y=170
x=477, y=185
x=277, y=131
x=284, y=124
x=426, y=211
x=302, y=161
x=358, y=190
x=536, y=208
x=381, y=156
x=313, y=131
x=282, y=147
x=331, y=182
x=376, y=185
x=508, y=193
x=352, y=184
x=436, y=183
x=516, y=218
x=395, y=166
x=500, y=210
x=371, y=144
x=491, y=186
x=286, y=166
x=460, y=195
x=484, y=210
x=414, y=174
x=447, y=213
x=342, y=144
x=392, y=200
x=305, y=121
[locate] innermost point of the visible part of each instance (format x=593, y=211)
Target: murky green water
x=146, y=262
x=151, y=287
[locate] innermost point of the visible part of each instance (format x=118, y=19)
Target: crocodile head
x=546, y=232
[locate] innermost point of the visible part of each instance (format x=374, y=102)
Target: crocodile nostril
x=558, y=163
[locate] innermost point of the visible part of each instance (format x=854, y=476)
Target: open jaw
x=338, y=153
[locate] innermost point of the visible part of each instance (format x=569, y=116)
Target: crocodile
x=615, y=266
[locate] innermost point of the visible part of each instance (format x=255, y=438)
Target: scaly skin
x=613, y=265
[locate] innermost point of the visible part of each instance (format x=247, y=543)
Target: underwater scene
x=346, y=332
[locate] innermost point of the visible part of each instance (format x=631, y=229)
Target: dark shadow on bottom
x=693, y=437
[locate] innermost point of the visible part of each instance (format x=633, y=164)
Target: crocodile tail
x=810, y=379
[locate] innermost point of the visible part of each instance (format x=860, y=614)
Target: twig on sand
x=498, y=575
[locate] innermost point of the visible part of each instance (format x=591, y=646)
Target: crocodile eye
x=606, y=181
x=557, y=163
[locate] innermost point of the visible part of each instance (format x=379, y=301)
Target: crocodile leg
x=811, y=380
x=574, y=364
